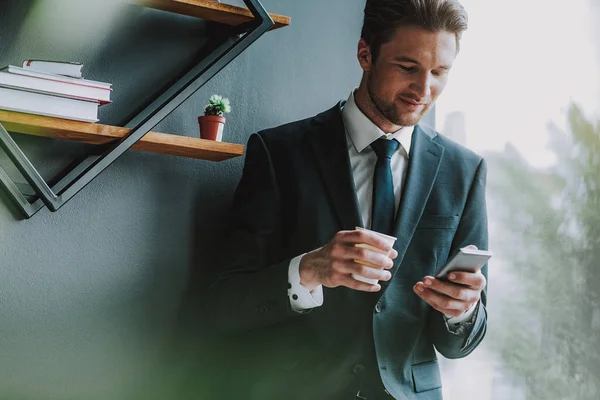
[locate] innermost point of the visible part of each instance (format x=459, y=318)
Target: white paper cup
x=389, y=239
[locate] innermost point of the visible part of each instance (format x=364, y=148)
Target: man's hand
x=333, y=264
x=455, y=296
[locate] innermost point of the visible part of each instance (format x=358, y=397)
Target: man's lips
x=412, y=102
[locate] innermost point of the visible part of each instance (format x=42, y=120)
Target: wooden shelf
x=209, y=10
x=86, y=132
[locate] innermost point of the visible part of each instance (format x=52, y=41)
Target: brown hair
x=382, y=17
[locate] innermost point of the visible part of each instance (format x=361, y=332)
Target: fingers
x=352, y=283
x=368, y=272
x=342, y=276
x=376, y=259
x=370, y=238
x=452, y=297
x=452, y=290
x=358, y=252
x=472, y=280
x=441, y=302
x=342, y=269
x=348, y=252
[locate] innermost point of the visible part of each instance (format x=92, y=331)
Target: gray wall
x=95, y=298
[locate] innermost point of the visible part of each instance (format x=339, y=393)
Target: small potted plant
x=213, y=121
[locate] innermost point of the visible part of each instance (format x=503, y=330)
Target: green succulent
x=217, y=105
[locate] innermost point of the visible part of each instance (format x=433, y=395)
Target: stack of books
x=52, y=88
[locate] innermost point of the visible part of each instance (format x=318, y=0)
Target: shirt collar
x=363, y=132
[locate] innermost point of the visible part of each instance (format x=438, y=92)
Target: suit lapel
x=423, y=167
x=330, y=148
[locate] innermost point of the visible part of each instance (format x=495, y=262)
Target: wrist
x=308, y=275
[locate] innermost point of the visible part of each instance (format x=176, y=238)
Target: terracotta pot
x=211, y=127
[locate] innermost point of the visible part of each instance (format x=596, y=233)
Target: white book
x=47, y=86
x=52, y=106
x=54, y=77
x=55, y=67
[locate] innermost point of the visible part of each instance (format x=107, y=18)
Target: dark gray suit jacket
x=296, y=192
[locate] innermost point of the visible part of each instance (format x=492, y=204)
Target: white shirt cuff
x=461, y=318
x=300, y=298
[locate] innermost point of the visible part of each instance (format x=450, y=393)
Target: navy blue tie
x=384, y=206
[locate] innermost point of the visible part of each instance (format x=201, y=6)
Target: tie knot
x=384, y=147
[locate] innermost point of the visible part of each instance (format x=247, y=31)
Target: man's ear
x=365, y=58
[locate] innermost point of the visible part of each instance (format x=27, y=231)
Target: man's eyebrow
x=410, y=60
x=406, y=59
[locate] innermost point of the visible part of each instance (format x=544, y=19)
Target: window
x=525, y=93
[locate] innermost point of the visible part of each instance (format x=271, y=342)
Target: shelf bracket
x=77, y=178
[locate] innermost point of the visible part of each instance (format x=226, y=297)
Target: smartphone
x=466, y=259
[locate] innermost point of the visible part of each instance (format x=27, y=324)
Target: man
x=304, y=328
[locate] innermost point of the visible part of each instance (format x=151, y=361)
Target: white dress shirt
x=360, y=133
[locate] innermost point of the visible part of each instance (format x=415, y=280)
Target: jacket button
x=358, y=368
x=378, y=307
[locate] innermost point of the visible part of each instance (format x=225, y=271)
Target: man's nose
x=421, y=86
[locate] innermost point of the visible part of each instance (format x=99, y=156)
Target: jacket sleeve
x=251, y=292
x=472, y=229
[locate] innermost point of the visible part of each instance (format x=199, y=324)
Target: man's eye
x=407, y=69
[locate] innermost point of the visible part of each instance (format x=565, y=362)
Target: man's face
x=409, y=74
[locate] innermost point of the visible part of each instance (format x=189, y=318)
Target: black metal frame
x=140, y=125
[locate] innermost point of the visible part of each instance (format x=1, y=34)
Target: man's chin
x=402, y=117
x=408, y=119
